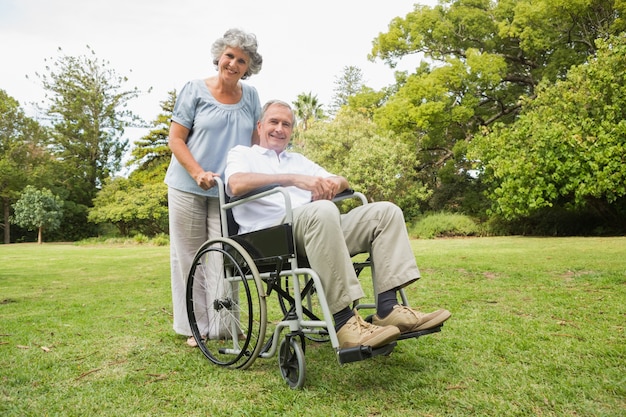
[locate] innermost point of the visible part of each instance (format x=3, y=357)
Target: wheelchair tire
x=230, y=328
x=291, y=362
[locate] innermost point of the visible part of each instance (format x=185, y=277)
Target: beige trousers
x=330, y=239
x=193, y=219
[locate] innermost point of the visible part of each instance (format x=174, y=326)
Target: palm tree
x=307, y=109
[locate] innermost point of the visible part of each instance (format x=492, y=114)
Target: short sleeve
x=236, y=162
x=185, y=106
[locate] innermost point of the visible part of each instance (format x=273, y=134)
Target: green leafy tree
x=138, y=204
x=375, y=164
x=481, y=58
x=86, y=103
x=151, y=154
x=568, y=148
x=23, y=156
x=131, y=206
x=87, y=109
x=367, y=101
x=38, y=210
x=347, y=85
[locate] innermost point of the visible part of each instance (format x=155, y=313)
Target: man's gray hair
x=278, y=103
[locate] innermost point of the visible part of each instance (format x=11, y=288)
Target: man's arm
x=321, y=188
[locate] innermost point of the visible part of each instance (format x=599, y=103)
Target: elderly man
x=326, y=237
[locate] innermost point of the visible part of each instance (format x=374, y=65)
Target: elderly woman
x=210, y=116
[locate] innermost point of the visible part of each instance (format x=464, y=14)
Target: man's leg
x=379, y=228
x=318, y=236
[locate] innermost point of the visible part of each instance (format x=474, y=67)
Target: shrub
x=444, y=225
x=161, y=239
x=141, y=238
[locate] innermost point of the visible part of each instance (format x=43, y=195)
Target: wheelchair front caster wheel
x=291, y=362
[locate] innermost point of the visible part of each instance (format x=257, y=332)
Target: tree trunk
x=7, y=225
x=39, y=236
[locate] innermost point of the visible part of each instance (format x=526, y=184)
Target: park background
x=511, y=117
x=498, y=126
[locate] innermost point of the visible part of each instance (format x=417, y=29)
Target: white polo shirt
x=268, y=211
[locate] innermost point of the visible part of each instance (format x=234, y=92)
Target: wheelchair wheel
x=291, y=362
x=226, y=304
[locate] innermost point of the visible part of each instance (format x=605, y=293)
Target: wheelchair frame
x=246, y=269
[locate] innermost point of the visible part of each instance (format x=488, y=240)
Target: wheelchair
x=242, y=271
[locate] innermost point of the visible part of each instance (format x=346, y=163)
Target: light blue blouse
x=214, y=129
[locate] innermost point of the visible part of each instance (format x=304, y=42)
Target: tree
x=307, y=109
x=367, y=101
x=347, y=85
x=481, y=57
x=568, y=147
x=23, y=157
x=38, y=209
x=139, y=203
x=151, y=154
x=376, y=164
x=132, y=207
x=87, y=109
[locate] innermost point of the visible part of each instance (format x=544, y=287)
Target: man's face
x=275, y=128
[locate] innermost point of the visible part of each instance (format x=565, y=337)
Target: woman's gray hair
x=237, y=38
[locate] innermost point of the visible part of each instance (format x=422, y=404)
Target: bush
x=444, y=225
x=558, y=221
x=141, y=238
x=161, y=239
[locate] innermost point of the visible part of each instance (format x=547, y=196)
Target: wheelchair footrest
x=419, y=333
x=360, y=353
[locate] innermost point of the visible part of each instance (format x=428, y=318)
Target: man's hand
x=321, y=188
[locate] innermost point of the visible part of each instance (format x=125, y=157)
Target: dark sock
x=386, y=301
x=341, y=317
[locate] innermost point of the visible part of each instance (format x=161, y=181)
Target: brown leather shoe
x=408, y=320
x=358, y=332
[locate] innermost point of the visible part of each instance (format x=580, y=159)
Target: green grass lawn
x=537, y=329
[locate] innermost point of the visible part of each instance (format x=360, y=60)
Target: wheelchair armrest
x=275, y=189
x=350, y=193
x=345, y=194
x=227, y=204
x=254, y=192
x=260, y=193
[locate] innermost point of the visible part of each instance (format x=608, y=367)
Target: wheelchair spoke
x=225, y=304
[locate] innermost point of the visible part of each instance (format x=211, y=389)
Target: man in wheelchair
x=326, y=237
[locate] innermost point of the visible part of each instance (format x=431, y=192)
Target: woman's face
x=234, y=62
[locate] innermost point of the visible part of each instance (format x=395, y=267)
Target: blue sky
x=163, y=43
